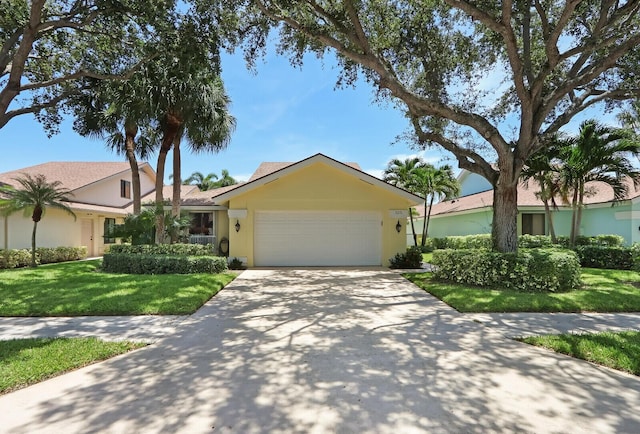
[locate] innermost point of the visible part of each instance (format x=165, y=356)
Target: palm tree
x=203, y=182
x=112, y=111
x=543, y=168
x=34, y=197
x=207, y=124
x=225, y=180
x=598, y=153
x=401, y=174
x=432, y=182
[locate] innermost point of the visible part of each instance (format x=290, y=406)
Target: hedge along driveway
x=80, y=288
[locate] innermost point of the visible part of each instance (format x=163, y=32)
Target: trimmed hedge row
x=16, y=258
x=614, y=258
x=483, y=241
x=135, y=263
x=164, y=249
x=535, y=270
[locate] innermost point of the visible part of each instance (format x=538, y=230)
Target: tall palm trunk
x=552, y=231
x=177, y=182
x=579, y=213
x=574, y=218
x=33, y=244
x=130, y=131
x=413, y=229
x=171, y=128
x=425, y=232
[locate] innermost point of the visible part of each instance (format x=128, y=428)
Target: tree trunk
x=579, y=212
x=177, y=178
x=33, y=244
x=413, y=228
x=574, y=218
x=131, y=130
x=552, y=231
x=424, y=222
x=427, y=219
x=177, y=183
x=504, y=229
x=172, y=125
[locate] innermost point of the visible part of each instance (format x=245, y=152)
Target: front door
x=86, y=237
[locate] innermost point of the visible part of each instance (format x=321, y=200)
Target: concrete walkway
x=297, y=351
x=144, y=328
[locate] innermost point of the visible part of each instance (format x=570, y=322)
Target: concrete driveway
x=297, y=351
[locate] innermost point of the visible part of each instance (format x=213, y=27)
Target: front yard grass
x=80, y=288
x=619, y=351
x=603, y=291
x=27, y=361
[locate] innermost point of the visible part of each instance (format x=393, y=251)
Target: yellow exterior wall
x=222, y=226
x=318, y=187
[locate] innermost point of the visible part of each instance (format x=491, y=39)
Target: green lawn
x=28, y=361
x=615, y=350
x=603, y=291
x=80, y=288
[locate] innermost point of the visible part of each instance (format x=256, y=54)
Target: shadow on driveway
x=330, y=351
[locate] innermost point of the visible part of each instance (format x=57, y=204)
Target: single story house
x=314, y=212
x=472, y=212
x=100, y=197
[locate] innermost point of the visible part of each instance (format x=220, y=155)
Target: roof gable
x=73, y=175
x=268, y=168
x=287, y=168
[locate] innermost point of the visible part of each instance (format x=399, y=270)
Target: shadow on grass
x=297, y=351
x=80, y=289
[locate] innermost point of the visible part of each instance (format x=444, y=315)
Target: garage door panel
x=323, y=238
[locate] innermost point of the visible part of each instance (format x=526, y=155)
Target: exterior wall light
x=398, y=226
x=237, y=226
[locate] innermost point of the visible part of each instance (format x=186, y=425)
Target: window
x=533, y=224
x=109, y=225
x=125, y=189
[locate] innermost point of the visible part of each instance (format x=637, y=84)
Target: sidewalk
x=143, y=328
x=530, y=324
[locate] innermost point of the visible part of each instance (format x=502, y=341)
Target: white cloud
x=244, y=177
x=378, y=173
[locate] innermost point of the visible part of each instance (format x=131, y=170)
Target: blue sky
x=283, y=114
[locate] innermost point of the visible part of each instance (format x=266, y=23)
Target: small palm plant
x=33, y=197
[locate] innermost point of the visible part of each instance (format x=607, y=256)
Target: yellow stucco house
x=316, y=212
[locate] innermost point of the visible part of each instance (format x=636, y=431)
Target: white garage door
x=317, y=238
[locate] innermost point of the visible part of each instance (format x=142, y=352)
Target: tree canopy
x=487, y=81
x=49, y=50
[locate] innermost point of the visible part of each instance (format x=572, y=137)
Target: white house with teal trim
x=472, y=213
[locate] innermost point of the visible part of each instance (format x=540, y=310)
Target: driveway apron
x=315, y=351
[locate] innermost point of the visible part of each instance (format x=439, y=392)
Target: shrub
x=412, y=258
x=478, y=241
x=48, y=255
x=603, y=256
x=135, y=263
x=236, y=264
x=17, y=258
x=635, y=256
x=164, y=249
x=534, y=270
x=534, y=241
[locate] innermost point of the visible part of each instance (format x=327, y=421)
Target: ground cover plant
x=28, y=361
x=619, y=350
x=80, y=288
x=602, y=291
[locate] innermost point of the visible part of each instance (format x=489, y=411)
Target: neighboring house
x=101, y=196
x=315, y=212
x=472, y=213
